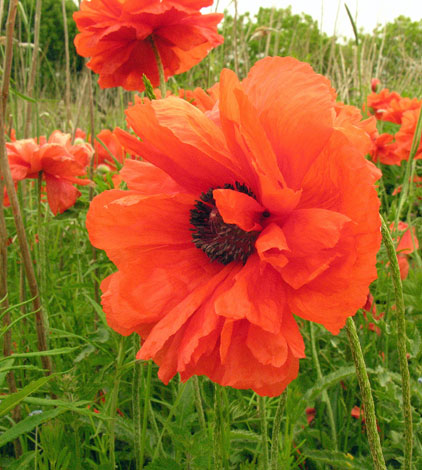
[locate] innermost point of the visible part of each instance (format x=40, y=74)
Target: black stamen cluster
x=220, y=241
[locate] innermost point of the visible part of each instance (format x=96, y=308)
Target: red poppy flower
x=407, y=244
x=60, y=164
x=397, y=109
x=310, y=414
x=102, y=156
x=390, y=106
x=239, y=218
x=116, y=35
x=385, y=150
x=404, y=136
x=379, y=102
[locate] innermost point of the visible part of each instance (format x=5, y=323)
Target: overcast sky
x=367, y=13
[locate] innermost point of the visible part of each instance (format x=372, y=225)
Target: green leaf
x=28, y=424
x=167, y=463
x=12, y=400
x=51, y=352
x=338, y=459
x=5, y=369
x=328, y=381
x=149, y=90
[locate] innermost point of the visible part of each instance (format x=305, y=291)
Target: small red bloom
x=380, y=102
x=357, y=413
x=385, y=150
x=404, y=136
x=102, y=156
x=60, y=163
x=374, y=84
x=116, y=35
x=310, y=415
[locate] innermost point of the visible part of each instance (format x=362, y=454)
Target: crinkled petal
x=296, y=109
x=239, y=208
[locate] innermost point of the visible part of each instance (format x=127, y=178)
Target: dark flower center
x=220, y=241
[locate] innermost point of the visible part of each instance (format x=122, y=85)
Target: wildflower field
x=210, y=231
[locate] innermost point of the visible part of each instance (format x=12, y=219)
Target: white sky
x=366, y=13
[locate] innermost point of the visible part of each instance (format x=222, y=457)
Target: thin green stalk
x=113, y=405
x=367, y=399
x=276, y=429
x=160, y=67
x=401, y=343
x=166, y=424
x=359, y=52
x=91, y=188
x=33, y=71
x=67, y=57
x=136, y=403
x=220, y=458
x=147, y=395
x=5, y=315
x=198, y=403
x=325, y=397
x=264, y=433
x=14, y=204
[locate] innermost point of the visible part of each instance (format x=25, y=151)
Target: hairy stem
x=136, y=403
x=401, y=344
x=10, y=187
x=160, y=67
x=324, y=393
x=367, y=399
x=276, y=429
x=264, y=433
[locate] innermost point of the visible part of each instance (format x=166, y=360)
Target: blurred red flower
x=117, y=34
x=310, y=415
x=404, y=136
x=407, y=244
x=238, y=218
x=374, y=84
x=379, y=102
x=59, y=162
x=102, y=155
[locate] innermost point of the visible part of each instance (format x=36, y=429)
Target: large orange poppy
x=116, y=35
x=237, y=220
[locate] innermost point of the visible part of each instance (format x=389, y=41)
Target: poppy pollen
x=220, y=241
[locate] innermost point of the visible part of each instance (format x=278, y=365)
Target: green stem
x=325, y=397
x=198, y=402
x=160, y=67
x=145, y=413
x=367, y=400
x=401, y=343
x=220, y=460
x=276, y=429
x=264, y=435
x=113, y=405
x=136, y=403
